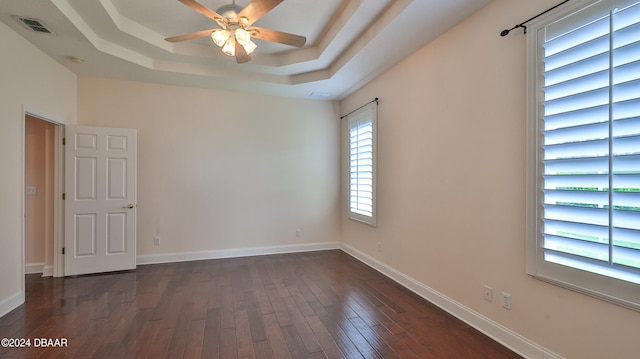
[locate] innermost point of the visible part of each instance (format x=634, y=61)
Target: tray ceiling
x=349, y=42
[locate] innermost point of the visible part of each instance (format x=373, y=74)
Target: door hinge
x=64, y=140
x=63, y=195
x=62, y=250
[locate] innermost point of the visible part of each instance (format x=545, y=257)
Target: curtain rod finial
x=506, y=32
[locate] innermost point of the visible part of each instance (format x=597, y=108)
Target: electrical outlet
x=156, y=240
x=506, y=300
x=379, y=246
x=488, y=293
x=298, y=232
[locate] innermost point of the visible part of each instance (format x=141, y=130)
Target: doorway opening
x=42, y=201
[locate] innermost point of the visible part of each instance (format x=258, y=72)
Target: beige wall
x=451, y=186
x=222, y=170
x=35, y=82
x=39, y=171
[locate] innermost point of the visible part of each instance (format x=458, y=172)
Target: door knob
x=130, y=205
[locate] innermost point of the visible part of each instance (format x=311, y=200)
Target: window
x=584, y=149
x=362, y=164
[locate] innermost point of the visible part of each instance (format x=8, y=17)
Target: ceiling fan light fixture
x=219, y=37
x=242, y=36
x=229, y=47
x=249, y=47
x=229, y=39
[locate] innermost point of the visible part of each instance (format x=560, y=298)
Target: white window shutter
x=362, y=164
x=587, y=169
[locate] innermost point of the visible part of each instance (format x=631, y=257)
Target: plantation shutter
x=590, y=127
x=362, y=164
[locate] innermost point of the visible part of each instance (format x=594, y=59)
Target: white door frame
x=58, y=189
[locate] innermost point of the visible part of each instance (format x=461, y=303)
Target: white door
x=100, y=199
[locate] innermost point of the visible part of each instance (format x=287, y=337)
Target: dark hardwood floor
x=303, y=305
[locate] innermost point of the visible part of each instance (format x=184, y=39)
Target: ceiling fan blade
x=205, y=11
x=193, y=35
x=278, y=36
x=256, y=9
x=241, y=54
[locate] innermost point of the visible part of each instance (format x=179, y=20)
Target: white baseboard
x=497, y=332
x=233, y=253
x=33, y=268
x=11, y=303
x=47, y=270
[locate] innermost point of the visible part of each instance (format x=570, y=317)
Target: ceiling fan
x=236, y=30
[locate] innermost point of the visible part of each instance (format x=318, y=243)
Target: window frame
x=368, y=111
x=607, y=288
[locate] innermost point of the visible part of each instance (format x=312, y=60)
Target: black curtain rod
x=374, y=100
x=506, y=32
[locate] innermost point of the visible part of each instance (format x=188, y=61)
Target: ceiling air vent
x=34, y=24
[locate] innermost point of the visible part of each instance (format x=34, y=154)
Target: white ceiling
x=349, y=42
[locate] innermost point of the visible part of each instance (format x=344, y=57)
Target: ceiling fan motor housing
x=230, y=11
